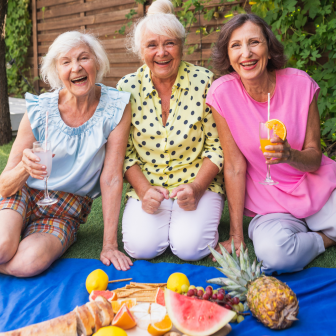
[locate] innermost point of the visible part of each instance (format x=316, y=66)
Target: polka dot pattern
x=171, y=155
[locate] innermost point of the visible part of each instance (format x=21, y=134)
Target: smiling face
x=162, y=54
x=248, y=51
x=77, y=69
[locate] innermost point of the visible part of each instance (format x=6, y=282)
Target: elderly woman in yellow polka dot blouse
x=174, y=158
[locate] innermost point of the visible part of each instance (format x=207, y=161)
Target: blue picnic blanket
x=61, y=288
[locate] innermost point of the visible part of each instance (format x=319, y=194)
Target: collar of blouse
x=181, y=81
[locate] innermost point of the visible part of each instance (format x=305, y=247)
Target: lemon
x=110, y=331
x=176, y=281
x=97, y=280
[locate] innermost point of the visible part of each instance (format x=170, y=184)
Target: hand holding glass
x=265, y=136
x=43, y=151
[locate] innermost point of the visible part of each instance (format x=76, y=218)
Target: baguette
x=65, y=325
x=95, y=312
x=85, y=321
x=106, y=311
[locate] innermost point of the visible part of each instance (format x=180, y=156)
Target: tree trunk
x=5, y=123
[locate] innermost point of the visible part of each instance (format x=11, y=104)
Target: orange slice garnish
x=278, y=128
x=124, y=318
x=116, y=305
x=160, y=328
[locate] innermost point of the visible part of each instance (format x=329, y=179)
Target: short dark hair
x=220, y=55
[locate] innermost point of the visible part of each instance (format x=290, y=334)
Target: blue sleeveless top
x=79, y=152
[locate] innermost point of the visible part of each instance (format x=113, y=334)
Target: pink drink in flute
x=46, y=159
x=42, y=149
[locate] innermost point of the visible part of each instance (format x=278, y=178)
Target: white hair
x=161, y=20
x=63, y=44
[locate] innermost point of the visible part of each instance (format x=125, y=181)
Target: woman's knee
x=192, y=247
x=144, y=236
x=140, y=247
x=7, y=250
x=149, y=251
x=275, y=253
x=27, y=265
x=189, y=254
x=35, y=254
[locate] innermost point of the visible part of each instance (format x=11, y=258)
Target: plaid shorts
x=61, y=219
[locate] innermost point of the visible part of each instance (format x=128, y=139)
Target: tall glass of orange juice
x=265, y=136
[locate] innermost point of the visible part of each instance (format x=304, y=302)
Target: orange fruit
x=116, y=305
x=124, y=318
x=278, y=128
x=114, y=297
x=108, y=295
x=160, y=328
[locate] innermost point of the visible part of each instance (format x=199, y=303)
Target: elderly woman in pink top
x=295, y=220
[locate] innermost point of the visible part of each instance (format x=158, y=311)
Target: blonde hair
x=63, y=44
x=161, y=20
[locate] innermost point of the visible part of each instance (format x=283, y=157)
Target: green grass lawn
x=90, y=236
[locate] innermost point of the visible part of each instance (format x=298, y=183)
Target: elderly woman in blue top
x=88, y=129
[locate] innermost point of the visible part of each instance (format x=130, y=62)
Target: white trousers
x=287, y=244
x=188, y=233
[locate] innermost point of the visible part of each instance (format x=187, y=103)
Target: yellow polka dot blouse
x=172, y=155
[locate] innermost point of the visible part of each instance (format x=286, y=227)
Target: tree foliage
x=307, y=30
x=18, y=32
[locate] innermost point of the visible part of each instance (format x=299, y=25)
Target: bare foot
x=327, y=241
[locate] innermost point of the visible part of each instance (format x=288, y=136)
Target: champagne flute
x=265, y=136
x=42, y=149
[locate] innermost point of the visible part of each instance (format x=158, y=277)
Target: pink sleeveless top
x=298, y=193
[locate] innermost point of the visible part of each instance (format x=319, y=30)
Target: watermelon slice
x=196, y=317
x=108, y=295
x=160, y=297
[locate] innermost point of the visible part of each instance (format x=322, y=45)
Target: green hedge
x=306, y=28
x=308, y=31
x=18, y=33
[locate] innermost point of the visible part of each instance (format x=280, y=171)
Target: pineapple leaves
x=241, y=257
x=230, y=261
x=241, y=281
x=234, y=293
x=246, y=307
x=245, y=276
x=238, y=271
x=218, y=257
x=248, y=265
x=242, y=297
x=237, y=288
x=218, y=281
x=234, y=254
x=227, y=274
x=253, y=267
x=222, y=282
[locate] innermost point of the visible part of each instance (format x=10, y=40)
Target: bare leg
x=10, y=230
x=327, y=241
x=34, y=255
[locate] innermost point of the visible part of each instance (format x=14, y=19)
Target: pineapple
x=271, y=301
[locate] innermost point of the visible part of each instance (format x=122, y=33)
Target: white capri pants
x=188, y=233
x=287, y=244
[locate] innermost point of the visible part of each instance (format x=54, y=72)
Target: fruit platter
x=177, y=307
